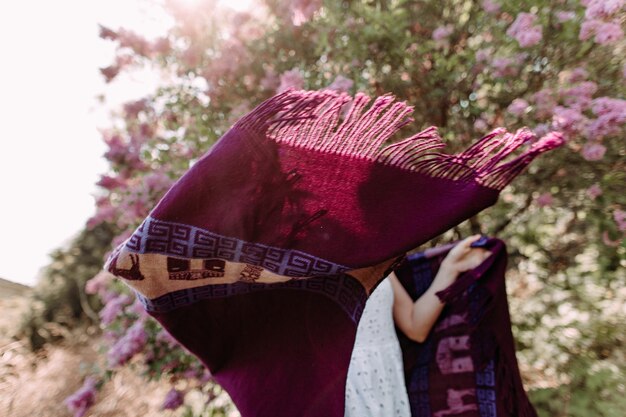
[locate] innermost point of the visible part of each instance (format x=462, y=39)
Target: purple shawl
x=467, y=366
x=260, y=258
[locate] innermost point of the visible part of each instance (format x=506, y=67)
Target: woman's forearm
x=427, y=308
x=416, y=318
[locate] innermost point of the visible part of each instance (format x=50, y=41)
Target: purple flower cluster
x=114, y=308
x=594, y=191
x=303, y=10
x=490, y=6
x=504, y=67
x=518, y=107
x=81, y=400
x=602, y=20
x=525, y=31
x=593, y=151
x=545, y=200
x=130, y=344
x=173, y=400
x=442, y=33
x=611, y=117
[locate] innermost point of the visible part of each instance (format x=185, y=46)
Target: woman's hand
x=463, y=257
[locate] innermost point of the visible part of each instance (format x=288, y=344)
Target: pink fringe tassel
x=309, y=119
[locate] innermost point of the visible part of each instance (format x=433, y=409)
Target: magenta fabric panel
x=278, y=353
x=256, y=190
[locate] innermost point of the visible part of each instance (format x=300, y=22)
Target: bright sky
x=51, y=150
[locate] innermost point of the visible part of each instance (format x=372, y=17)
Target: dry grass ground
x=35, y=385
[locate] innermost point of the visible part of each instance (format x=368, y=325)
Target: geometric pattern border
x=345, y=290
x=185, y=241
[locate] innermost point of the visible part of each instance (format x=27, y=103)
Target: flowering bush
x=467, y=67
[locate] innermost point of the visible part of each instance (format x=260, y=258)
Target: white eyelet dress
x=375, y=385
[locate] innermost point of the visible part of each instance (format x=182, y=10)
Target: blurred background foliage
x=467, y=67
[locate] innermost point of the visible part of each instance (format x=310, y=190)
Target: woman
x=375, y=385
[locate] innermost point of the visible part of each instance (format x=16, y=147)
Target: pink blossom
x=588, y=29
x=303, y=10
x=530, y=37
x=602, y=8
x=503, y=67
x=291, y=79
x=570, y=121
x=134, y=41
x=158, y=182
x=611, y=117
x=593, y=151
x=98, y=283
x=608, y=105
x=611, y=7
x=544, y=103
x=579, y=96
x=490, y=6
x=173, y=400
x=80, y=401
x=545, y=200
x=620, y=218
x=480, y=125
x=114, y=308
x=341, y=84
x=106, y=33
x=605, y=125
x=575, y=75
x=110, y=72
x=442, y=32
x=608, y=32
x=109, y=182
x=518, y=107
x=128, y=346
x=594, y=191
x=524, y=30
x=133, y=108
x=564, y=16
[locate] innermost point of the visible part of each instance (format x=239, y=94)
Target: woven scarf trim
x=185, y=241
x=311, y=120
x=343, y=289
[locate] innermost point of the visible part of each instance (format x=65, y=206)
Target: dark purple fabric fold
x=467, y=365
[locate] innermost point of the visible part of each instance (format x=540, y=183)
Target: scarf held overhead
x=260, y=258
x=467, y=366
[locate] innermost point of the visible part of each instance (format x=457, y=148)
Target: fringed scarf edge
x=311, y=120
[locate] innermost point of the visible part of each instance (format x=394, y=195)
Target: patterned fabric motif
x=180, y=240
x=344, y=289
